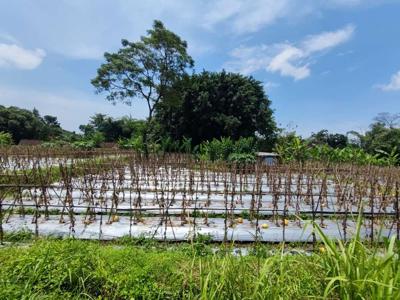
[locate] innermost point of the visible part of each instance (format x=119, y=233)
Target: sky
x=325, y=64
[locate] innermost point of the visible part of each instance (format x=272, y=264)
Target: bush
x=84, y=145
x=242, y=158
x=134, y=143
x=91, y=142
x=227, y=150
x=5, y=138
x=292, y=148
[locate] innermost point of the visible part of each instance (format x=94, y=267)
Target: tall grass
x=71, y=269
x=357, y=271
x=279, y=276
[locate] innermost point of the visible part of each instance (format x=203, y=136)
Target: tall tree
x=145, y=69
x=388, y=119
x=213, y=105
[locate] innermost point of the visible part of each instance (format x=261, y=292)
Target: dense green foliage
x=214, y=105
x=25, y=124
x=113, y=129
x=91, y=141
x=242, y=150
x=379, y=146
x=333, y=140
x=293, y=148
x=381, y=137
x=223, y=149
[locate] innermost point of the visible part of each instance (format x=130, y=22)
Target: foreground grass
x=143, y=269
x=73, y=269
x=51, y=269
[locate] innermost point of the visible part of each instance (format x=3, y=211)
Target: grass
x=71, y=269
x=144, y=269
x=356, y=271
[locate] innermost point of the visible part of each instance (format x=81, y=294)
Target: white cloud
x=328, y=40
x=393, y=85
x=285, y=62
x=287, y=59
x=15, y=56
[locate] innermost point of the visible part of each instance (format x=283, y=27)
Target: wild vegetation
x=293, y=148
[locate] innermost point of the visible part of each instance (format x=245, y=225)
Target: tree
x=112, y=129
x=145, y=69
x=319, y=138
x=334, y=140
x=383, y=138
x=214, y=105
x=52, y=128
x=388, y=119
x=26, y=124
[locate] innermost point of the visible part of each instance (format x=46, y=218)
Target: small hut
x=268, y=158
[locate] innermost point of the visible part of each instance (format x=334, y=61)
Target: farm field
x=112, y=194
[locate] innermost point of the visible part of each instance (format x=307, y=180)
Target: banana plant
x=390, y=158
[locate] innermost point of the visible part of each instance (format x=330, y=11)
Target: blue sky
x=331, y=64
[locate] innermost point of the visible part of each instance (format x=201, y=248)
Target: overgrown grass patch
x=141, y=268
x=72, y=269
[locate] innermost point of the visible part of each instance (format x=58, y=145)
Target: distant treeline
x=379, y=145
x=26, y=124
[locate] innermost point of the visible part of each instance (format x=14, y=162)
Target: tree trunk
x=144, y=137
x=146, y=131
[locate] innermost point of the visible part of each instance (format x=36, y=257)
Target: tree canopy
x=113, y=129
x=26, y=124
x=334, y=140
x=381, y=137
x=216, y=104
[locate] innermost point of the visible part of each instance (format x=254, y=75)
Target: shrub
x=134, y=143
x=5, y=138
x=242, y=158
x=224, y=148
x=93, y=141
